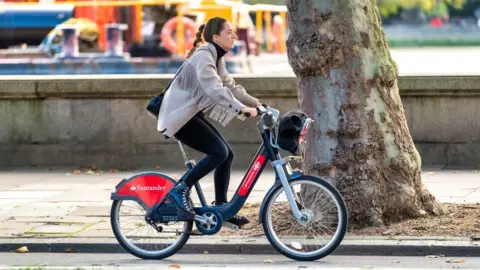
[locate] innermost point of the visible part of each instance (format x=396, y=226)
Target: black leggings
x=202, y=136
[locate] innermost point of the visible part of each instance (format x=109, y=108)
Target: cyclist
x=204, y=84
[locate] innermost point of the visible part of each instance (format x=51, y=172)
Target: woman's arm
x=237, y=90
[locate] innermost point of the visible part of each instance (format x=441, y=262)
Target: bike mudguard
x=148, y=188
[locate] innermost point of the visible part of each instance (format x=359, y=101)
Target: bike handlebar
x=260, y=110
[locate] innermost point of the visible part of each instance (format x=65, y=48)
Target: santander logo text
x=146, y=188
x=251, y=175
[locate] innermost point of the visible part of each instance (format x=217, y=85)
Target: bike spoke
x=140, y=235
x=319, y=207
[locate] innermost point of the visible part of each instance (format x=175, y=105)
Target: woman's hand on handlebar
x=249, y=112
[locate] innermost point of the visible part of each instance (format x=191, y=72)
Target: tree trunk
x=347, y=83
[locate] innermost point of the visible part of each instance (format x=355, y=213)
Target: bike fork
x=278, y=166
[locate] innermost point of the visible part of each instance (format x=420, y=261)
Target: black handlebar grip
x=268, y=120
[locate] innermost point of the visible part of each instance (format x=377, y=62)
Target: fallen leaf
x=113, y=170
x=99, y=174
x=206, y=252
x=175, y=266
x=69, y=250
x=156, y=167
x=22, y=249
x=90, y=172
x=456, y=261
x=76, y=172
x=268, y=261
x=68, y=174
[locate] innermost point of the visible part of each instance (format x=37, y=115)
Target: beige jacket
x=200, y=86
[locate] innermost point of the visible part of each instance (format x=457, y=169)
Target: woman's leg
x=222, y=173
x=222, y=177
x=197, y=135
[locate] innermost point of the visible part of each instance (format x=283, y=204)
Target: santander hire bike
x=303, y=217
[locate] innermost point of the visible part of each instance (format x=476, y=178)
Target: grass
x=425, y=43
x=432, y=43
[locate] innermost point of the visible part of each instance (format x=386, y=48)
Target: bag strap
x=178, y=71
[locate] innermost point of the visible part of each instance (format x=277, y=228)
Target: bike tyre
x=341, y=229
x=161, y=255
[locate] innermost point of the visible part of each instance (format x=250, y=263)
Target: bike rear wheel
x=323, y=230
x=141, y=239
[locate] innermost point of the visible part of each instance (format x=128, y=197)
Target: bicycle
x=150, y=190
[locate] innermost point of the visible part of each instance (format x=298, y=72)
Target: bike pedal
x=231, y=226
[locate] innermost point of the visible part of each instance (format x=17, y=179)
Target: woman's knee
x=222, y=154
x=230, y=156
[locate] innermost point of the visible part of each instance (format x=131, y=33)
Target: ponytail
x=198, y=40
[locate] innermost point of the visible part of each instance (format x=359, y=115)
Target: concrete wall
x=101, y=120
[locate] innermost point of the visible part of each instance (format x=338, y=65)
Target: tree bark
x=347, y=83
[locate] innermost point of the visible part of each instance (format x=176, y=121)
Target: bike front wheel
x=324, y=227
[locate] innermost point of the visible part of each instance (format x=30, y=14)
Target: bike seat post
x=190, y=163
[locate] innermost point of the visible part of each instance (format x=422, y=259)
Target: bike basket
x=292, y=129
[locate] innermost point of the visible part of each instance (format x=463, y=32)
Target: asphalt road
x=126, y=261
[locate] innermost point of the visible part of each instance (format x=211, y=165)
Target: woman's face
x=226, y=38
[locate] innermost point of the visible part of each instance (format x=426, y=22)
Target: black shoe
x=237, y=219
x=180, y=195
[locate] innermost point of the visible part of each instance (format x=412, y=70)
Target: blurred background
x=45, y=37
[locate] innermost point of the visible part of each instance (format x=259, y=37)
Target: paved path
x=36, y=202
x=410, y=61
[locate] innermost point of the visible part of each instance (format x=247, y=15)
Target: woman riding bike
x=203, y=84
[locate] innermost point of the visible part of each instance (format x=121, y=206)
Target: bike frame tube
x=254, y=171
x=264, y=154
